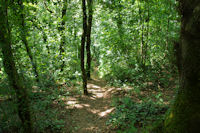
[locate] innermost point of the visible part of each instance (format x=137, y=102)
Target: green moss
x=184, y=117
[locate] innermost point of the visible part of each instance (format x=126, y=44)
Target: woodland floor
x=89, y=114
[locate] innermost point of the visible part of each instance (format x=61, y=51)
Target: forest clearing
x=99, y=66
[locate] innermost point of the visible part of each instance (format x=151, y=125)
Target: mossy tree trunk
x=83, y=40
x=10, y=69
x=184, y=116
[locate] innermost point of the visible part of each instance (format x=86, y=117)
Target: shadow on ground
x=88, y=114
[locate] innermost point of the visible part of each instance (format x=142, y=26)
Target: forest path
x=88, y=114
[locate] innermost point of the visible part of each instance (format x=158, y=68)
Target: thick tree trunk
x=10, y=69
x=185, y=113
x=62, y=30
x=83, y=39
x=89, y=27
x=24, y=40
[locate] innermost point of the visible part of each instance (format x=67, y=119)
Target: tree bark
x=147, y=35
x=89, y=27
x=142, y=50
x=83, y=39
x=10, y=69
x=62, y=29
x=24, y=40
x=185, y=113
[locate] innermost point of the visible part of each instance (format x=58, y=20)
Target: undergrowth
x=153, y=77
x=45, y=105
x=130, y=116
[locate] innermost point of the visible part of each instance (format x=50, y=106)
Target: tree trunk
x=62, y=29
x=185, y=113
x=168, y=27
x=83, y=39
x=10, y=69
x=142, y=45
x=24, y=40
x=89, y=27
x=146, y=57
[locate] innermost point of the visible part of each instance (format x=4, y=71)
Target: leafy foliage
x=47, y=118
x=132, y=45
x=129, y=115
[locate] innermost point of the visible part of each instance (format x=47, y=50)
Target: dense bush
x=129, y=115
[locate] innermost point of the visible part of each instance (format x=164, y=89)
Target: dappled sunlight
x=75, y=104
x=71, y=102
x=105, y=113
x=128, y=88
x=112, y=91
x=98, y=95
x=97, y=82
x=90, y=113
x=93, y=86
x=109, y=91
x=92, y=128
x=94, y=111
x=92, y=97
x=86, y=105
x=96, y=91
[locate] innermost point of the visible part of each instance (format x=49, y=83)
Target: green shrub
x=129, y=115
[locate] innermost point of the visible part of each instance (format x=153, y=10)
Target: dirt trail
x=88, y=114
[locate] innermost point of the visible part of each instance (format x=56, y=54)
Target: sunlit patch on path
x=105, y=113
x=88, y=114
